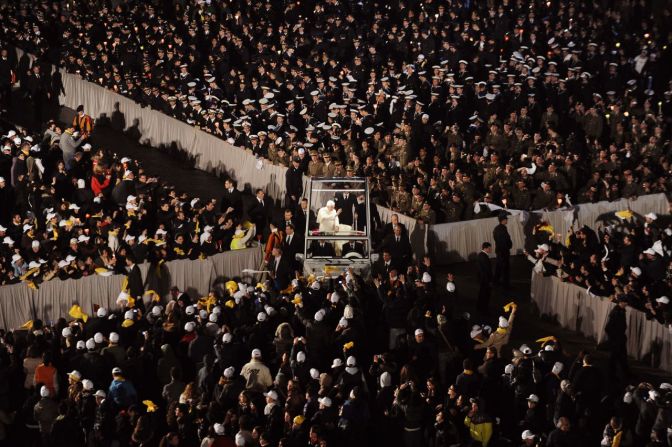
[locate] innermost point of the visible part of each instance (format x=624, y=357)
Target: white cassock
x=328, y=220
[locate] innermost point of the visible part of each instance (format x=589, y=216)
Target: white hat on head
x=87, y=384
x=229, y=372
x=314, y=373
x=351, y=361
x=665, y=386
x=256, y=353
x=100, y=393
x=66, y=332
x=533, y=398
x=334, y=298
x=101, y=312
x=114, y=337
x=272, y=395
x=219, y=429
x=156, y=311
x=527, y=434
x=450, y=286
x=475, y=331
x=525, y=349
x=98, y=337
x=336, y=363
x=261, y=316
x=90, y=344
x=343, y=322
x=503, y=322
x=189, y=310
x=636, y=271
x=663, y=300
x=227, y=338
x=508, y=369
x=319, y=315
x=128, y=315
x=326, y=401
x=116, y=370
x=189, y=326
x=651, y=216
x=419, y=332
x=426, y=278
x=81, y=344
x=44, y=391
x=75, y=375
x=212, y=318
x=557, y=368
x=649, y=251
x=300, y=356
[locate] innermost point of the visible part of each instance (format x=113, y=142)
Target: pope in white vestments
x=327, y=218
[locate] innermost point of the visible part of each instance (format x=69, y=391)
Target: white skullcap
x=503, y=322
x=98, y=337
x=256, y=353
x=66, y=332
x=351, y=361
x=44, y=391
x=189, y=326
x=228, y=372
x=300, y=356
x=319, y=315
x=627, y=398
x=189, y=310
x=90, y=344
x=334, y=298
x=527, y=434
x=426, y=278
x=212, y=318
x=81, y=344
x=227, y=338
x=450, y=286
x=102, y=312
x=114, y=337
x=326, y=401
x=128, y=315
x=348, y=312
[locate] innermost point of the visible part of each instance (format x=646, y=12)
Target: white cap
x=272, y=395
x=35, y=244
x=351, y=361
x=651, y=216
x=75, y=375
x=128, y=315
x=319, y=315
x=663, y=300
x=627, y=398
x=16, y=257
x=557, y=368
x=426, y=278
x=114, y=337
x=125, y=160
x=636, y=271
x=227, y=338
x=98, y=337
x=336, y=363
x=314, y=373
x=508, y=369
x=229, y=372
x=334, y=298
x=116, y=370
x=419, y=332
x=90, y=344
x=649, y=251
x=533, y=398
x=326, y=401
x=156, y=311
x=66, y=332
x=81, y=183
x=450, y=286
x=343, y=322
x=212, y=318
x=44, y=391
x=87, y=384
x=102, y=312
x=665, y=386
x=300, y=356
x=203, y=314
x=525, y=349
x=653, y=394
x=189, y=310
x=261, y=316
x=527, y=434
x=503, y=322
x=219, y=428
x=81, y=344
x=100, y=393
x=189, y=326
x=543, y=247
x=8, y=240
x=256, y=354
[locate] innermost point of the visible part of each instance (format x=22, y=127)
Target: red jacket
x=98, y=187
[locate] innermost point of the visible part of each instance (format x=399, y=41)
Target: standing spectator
x=484, y=279
x=503, y=245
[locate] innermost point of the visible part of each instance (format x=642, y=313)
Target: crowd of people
x=627, y=259
x=442, y=105
x=68, y=210
x=527, y=106
x=320, y=363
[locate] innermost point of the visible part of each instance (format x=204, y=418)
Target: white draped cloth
x=328, y=220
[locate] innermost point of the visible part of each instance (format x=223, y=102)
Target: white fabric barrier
x=209, y=152
x=53, y=299
x=572, y=307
